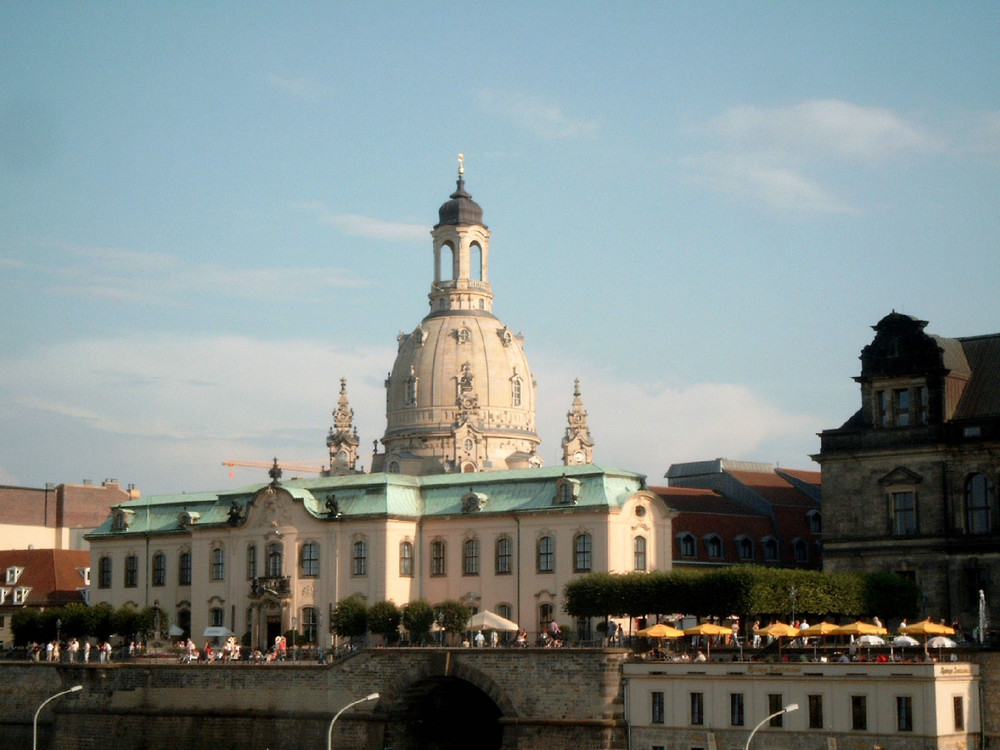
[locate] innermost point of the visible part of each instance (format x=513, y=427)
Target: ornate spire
x=578, y=447
x=343, y=438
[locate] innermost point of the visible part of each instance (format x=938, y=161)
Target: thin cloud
x=537, y=115
x=758, y=178
x=366, y=226
x=824, y=128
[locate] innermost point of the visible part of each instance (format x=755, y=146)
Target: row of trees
x=747, y=590
x=352, y=618
x=77, y=620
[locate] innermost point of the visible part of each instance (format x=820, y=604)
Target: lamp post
x=34, y=730
x=787, y=709
x=329, y=732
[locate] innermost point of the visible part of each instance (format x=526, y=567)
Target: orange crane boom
x=305, y=468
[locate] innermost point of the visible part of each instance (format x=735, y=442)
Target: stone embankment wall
x=570, y=699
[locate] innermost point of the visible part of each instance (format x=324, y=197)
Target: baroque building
x=457, y=506
x=910, y=480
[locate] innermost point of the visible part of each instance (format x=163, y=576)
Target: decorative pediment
x=901, y=475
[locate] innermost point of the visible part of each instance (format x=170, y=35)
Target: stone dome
x=460, y=396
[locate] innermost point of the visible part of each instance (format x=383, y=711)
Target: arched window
x=515, y=390
x=475, y=262
x=411, y=389
x=546, y=555
x=104, y=573
x=978, y=512
x=184, y=569
x=688, y=545
x=159, y=569
x=771, y=549
x=545, y=615
x=639, y=553
x=713, y=546
x=800, y=550
x=506, y=611
x=131, y=571
x=504, y=556
x=218, y=564
x=251, y=562
x=406, y=559
x=582, y=551
x=470, y=557
x=310, y=559
x=360, y=564
x=438, y=558
x=815, y=521
x=275, y=555
x=745, y=546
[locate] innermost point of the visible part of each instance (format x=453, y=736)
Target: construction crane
x=289, y=467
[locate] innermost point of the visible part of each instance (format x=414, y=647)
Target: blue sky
x=211, y=212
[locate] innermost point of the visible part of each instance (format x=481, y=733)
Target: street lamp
x=329, y=732
x=34, y=732
x=786, y=710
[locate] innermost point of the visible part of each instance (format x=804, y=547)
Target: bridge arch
x=445, y=706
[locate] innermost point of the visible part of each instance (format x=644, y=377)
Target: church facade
x=910, y=480
x=457, y=506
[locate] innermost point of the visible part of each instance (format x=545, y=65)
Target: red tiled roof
x=53, y=575
x=773, y=488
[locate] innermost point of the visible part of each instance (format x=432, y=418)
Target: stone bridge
x=429, y=699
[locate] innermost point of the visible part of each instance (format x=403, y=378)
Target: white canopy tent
x=487, y=620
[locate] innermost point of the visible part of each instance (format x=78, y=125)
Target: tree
x=350, y=617
x=454, y=615
x=418, y=617
x=25, y=624
x=126, y=622
x=384, y=618
x=75, y=620
x=102, y=621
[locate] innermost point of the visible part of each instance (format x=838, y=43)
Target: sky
x=212, y=212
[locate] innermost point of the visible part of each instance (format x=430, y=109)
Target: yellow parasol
x=660, y=630
x=708, y=629
x=926, y=627
x=859, y=628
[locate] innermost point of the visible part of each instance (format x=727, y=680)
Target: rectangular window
x=736, y=709
x=406, y=559
x=639, y=550
x=503, y=556
x=902, y=408
x=310, y=560
x=904, y=713
x=904, y=513
x=958, y=705
x=546, y=555
x=582, y=556
x=184, y=569
x=922, y=402
x=470, y=557
x=131, y=571
x=859, y=712
x=104, y=573
x=251, y=562
x=697, y=708
x=815, y=711
x=360, y=565
x=773, y=706
x=657, y=707
x=159, y=569
x=437, y=559
x=218, y=564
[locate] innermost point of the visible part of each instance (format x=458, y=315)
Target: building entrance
x=443, y=713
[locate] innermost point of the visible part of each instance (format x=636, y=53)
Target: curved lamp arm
x=329, y=731
x=34, y=725
x=787, y=709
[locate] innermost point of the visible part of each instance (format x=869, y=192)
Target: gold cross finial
x=461, y=165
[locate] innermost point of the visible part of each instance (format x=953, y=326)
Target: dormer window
x=21, y=594
x=473, y=502
x=13, y=573
x=815, y=519
x=688, y=545
x=463, y=335
x=713, y=546
x=3, y=595
x=122, y=520
x=188, y=517
x=567, y=491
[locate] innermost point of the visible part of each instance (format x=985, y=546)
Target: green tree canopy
x=384, y=618
x=350, y=617
x=455, y=615
x=418, y=617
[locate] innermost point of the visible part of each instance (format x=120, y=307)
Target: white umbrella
x=487, y=620
x=940, y=641
x=175, y=631
x=905, y=640
x=870, y=640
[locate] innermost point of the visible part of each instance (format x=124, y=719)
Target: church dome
x=460, y=396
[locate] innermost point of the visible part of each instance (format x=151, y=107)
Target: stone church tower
x=460, y=397
x=578, y=446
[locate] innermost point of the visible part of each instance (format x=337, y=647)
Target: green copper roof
x=395, y=495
